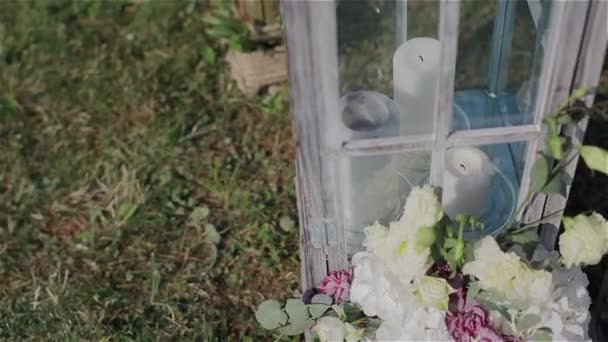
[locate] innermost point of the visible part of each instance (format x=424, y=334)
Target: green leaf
x=528, y=240
x=425, y=237
x=542, y=334
x=270, y=315
x=556, y=144
x=340, y=311
x=297, y=311
x=491, y=306
x=295, y=329
x=126, y=210
x=211, y=234
x=199, y=214
x=352, y=311
x=528, y=236
x=527, y=321
x=569, y=222
x=209, y=54
x=557, y=185
x=469, y=251
x=472, y=292
x=321, y=299
x=575, y=95
x=564, y=120
x=317, y=310
x=595, y=157
x=286, y=223
x=539, y=173
x=320, y=304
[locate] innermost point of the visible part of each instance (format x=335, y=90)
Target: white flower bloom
x=568, y=314
x=377, y=290
x=380, y=293
x=376, y=238
x=422, y=208
x=402, y=255
x=420, y=324
x=506, y=276
x=433, y=291
x=584, y=241
x=330, y=329
x=396, y=247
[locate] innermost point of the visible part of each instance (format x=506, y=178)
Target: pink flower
x=468, y=322
x=337, y=285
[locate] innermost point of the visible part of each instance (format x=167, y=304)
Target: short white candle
x=466, y=181
x=415, y=77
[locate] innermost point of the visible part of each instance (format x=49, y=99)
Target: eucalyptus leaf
x=491, y=306
x=340, y=311
x=270, y=315
x=472, y=292
x=595, y=157
x=527, y=322
x=542, y=335
x=297, y=311
x=295, y=329
x=539, y=173
x=322, y=299
x=317, y=310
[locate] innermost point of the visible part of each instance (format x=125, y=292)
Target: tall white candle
x=415, y=77
x=466, y=181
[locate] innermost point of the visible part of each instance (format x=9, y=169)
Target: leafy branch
x=548, y=174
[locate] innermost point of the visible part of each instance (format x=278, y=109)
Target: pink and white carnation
x=337, y=285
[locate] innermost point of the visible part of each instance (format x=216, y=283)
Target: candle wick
x=463, y=167
x=421, y=59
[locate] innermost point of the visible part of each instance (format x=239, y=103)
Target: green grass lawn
x=140, y=192
x=142, y=196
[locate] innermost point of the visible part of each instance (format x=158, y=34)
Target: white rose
x=506, y=276
x=330, y=329
x=584, y=241
x=422, y=208
x=433, y=291
x=495, y=269
x=375, y=239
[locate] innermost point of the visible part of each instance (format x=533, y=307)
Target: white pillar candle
x=466, y=181
x=415, y=77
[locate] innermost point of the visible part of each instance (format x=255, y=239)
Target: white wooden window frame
x=311, y=39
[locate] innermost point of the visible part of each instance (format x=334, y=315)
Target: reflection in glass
x=374, y=188
x=483, y=181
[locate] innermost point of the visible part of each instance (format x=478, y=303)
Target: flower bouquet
x=419, y=279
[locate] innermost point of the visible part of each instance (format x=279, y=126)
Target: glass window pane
x=374, y=188
x=500, y=48
x=388, y=54
x=483, y=181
